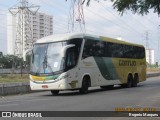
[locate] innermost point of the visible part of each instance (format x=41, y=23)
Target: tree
x=12, y=61
x=1, y=54
x=1, y=60
x=136, y=6
x=9, y=61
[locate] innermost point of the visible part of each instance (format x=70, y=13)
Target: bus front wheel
x=55, y=92
x=85, y=85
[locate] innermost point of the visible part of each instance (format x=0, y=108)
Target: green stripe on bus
x=106, y=68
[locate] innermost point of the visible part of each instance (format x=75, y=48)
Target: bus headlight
x=60, y=86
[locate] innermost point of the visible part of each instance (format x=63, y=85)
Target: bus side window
x=99, y=49
x=88, y=49
x=71, y=58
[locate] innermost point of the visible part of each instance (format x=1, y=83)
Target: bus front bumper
x=58, y=85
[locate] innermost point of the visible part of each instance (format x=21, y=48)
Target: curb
x=23, y=87
x=14, y=88
x=152, y=75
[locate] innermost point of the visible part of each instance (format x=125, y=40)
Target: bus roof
x=68, y=36
x=62, y=37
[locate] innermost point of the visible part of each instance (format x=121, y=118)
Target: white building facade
x=41, y=25
x=150, y=56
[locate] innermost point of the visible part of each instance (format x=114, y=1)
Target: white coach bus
x=80, y=61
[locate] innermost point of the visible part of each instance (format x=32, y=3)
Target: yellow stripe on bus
x=38, y=78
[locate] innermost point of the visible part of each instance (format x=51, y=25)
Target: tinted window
x=107, y=49
x=99, y=48
x=77, y=42
x=125, y=51
x=71, y=58
x=88, y=48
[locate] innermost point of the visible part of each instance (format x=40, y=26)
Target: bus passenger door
x=71, y=67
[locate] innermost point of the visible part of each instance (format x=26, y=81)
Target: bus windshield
x=46, y=58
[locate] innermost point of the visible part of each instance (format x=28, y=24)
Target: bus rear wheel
x=129, y=82
x=55, y=92
x=135, y=81
x=85, y=85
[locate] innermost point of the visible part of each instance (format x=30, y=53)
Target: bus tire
x=55, y=92
x=130, y=81
x=135, y=80
x=85, y=85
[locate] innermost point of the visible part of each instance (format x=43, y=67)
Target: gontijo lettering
x=127, y=63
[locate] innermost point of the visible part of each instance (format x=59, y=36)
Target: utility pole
x=23, y=11
x=76, y=22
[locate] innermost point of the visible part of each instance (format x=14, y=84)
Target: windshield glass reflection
x=46, y=58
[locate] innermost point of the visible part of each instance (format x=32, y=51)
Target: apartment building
x=150, y=56
x=40, y=25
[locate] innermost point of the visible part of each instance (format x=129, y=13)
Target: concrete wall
x=13, y=71
x=14, y=88
x=153, y=75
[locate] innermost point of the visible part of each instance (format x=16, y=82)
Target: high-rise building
x=150, y=56
x=41, y=25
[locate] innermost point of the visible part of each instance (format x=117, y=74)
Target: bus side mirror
x=25, y=54
x=64, y=49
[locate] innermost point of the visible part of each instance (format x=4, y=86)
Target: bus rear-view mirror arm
x=64, y=49
x=25, y=54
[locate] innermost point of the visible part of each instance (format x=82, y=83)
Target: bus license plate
x=44, y=86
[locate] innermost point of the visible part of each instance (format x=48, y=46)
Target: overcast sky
x=100, y=19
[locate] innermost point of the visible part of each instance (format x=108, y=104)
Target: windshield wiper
x=43, y=66
x=45, y=63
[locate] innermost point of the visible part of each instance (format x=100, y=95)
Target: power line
x=56, y=22
x=124, y=22
x=51, y=6
x=4, y=5
x=109, y=20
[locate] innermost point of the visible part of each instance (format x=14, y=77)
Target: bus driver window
x=71, y=58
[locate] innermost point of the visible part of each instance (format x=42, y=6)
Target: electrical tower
x=76, y=22
x=23, y=12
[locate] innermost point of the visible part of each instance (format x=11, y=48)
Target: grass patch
x=12, y=78
x=153, y=69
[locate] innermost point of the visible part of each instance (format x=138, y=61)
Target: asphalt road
x=146, y=95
